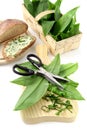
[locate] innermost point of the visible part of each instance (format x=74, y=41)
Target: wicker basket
x=54, y=46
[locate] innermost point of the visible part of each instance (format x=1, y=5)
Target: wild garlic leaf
x=72, y=83
x=69, y=92
x=47, y=26
x=35, y=4
x=57, y=10
x=33, y=93
x=28, y=4
x=28, y=65
x=68, y=69
x=24, y=80
x=72, y=92
x=74, y=30
x=54, y=66
x=51, y=6
x=63, y=22
x=42, y=6
x=70, y=25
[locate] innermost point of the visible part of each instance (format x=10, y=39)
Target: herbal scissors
x=36, y=61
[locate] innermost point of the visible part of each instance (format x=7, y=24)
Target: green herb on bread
x=14, y=46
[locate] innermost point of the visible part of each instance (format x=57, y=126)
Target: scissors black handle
x=37, y=62
x=24, y=70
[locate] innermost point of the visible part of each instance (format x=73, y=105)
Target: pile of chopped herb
x=58, y=25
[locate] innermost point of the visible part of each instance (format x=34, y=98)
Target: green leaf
x=24, y=80
x=54, y=66
x=28, y=65
x=51, y=6
x=72, y=83
x=42, y=6
x=47, y=26
x=70, y=25
x=35, y=4
x=74, y=30
x=69, y=92
x=68, y=69
x=28, y=4
x=57, y=10
x=63, y=22
x=72, y=93
x=32, y=94
x=73, y=22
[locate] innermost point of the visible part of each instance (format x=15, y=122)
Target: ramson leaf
x=57, y=10
x=68, y=69
x=54, y=66
x=28, y=4
x=24, y=80
x=32, y=94
x=63, y=22
x=42, y=6
x=47, y=26
x=69, y=92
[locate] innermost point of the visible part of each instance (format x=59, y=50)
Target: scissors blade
x=49, y=77
x=54, y=81
x=59, y=77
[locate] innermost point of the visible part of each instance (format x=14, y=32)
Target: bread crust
x=11, y=28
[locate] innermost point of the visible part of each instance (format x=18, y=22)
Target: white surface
x=9, y=93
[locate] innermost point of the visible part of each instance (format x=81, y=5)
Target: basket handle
x=42, y=14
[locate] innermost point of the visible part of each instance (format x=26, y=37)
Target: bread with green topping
x=17, y=46
x=15, y=38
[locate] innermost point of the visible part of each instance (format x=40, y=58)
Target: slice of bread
x=13, y=32
x=17, y=46
x=11, y=28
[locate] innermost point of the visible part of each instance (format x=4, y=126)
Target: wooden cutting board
x=35, y=114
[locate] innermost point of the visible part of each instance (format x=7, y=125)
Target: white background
x=9, y=93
